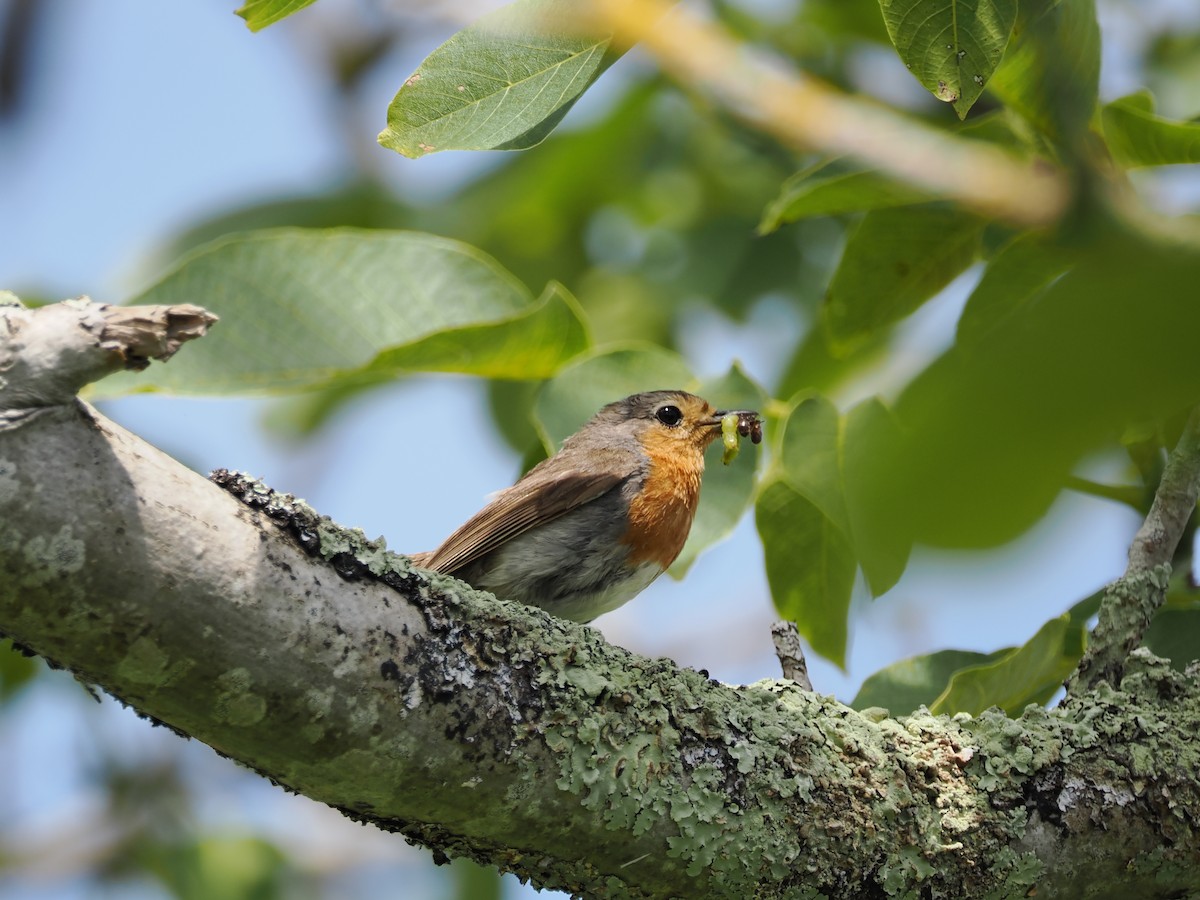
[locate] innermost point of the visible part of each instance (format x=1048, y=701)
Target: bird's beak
x=715, y=421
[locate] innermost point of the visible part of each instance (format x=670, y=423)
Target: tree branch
x=1132, y=600
x=492, y=730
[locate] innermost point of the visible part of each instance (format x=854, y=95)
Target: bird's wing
x=540, y=497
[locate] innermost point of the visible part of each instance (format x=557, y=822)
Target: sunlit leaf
x=951, y=46
x=1137, y=137
x=311, y=308
x=894, y=261
x=261, y=13
x=919, y=681
x=810, y=567
x=502, y=83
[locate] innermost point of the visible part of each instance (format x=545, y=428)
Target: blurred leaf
x=1137, y=137
x=727, y=490
x=832, y=188
x=894, y=261
x=573, y=396
x=233, y=868
x=362, y=203
x=1014, y=278
x=870, y=428
x=951, y=47
x=992, y=429
x=475, y=882
x=1028, y=674
x=812, y=457
x=810, y=567
x=1014, y=677
x=261, y=13
x=502, y=83
x=902, y=687
x=1175, y=635
x=16, y=669
x=301, y=309
x=1051, y=75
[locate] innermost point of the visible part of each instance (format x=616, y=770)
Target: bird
x=589, y=528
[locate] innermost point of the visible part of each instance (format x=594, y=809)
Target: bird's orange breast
x=661, y=514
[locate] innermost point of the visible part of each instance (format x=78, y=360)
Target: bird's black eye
x=669, y=415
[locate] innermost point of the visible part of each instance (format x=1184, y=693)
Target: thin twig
x=1121, y=493
x=791, y=653
x=1131, y=601
x=803, y=111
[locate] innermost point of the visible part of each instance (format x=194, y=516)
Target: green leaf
x=301, y=309
x=16, y=669
x=1051, y=75
x=833, y=188
x=811, y=456
x=882, y=547
x=261, y=13
x=951, y=47
x=1014, y=278
x=993, y=428
x=502, y=83
x=1137, y=137
x=573, y=396
x=905, y=685
x=894, y=261
x=1027, y=674
x=810, y=567
x=1175, y=635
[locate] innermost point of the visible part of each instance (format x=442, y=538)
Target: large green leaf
x=867, y=470
x=1027, y=674
x=812, y=457
x=1137, y=137
x=951, y=46
x=301, y=309
x=1014, y=278
x=810, y=566
x=833, y=188
x=894, y=261
x=902, y=687
x=1052, y=74
x=573, y=396
x=502, y=83
x=261, y=13
x=991, y=430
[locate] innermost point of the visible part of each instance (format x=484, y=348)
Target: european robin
x=589, y=528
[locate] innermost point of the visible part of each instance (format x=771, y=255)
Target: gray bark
x=491, y=730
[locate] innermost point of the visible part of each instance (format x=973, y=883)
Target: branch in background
x=802, y=111
x=1131, y=601
x=789, y=650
